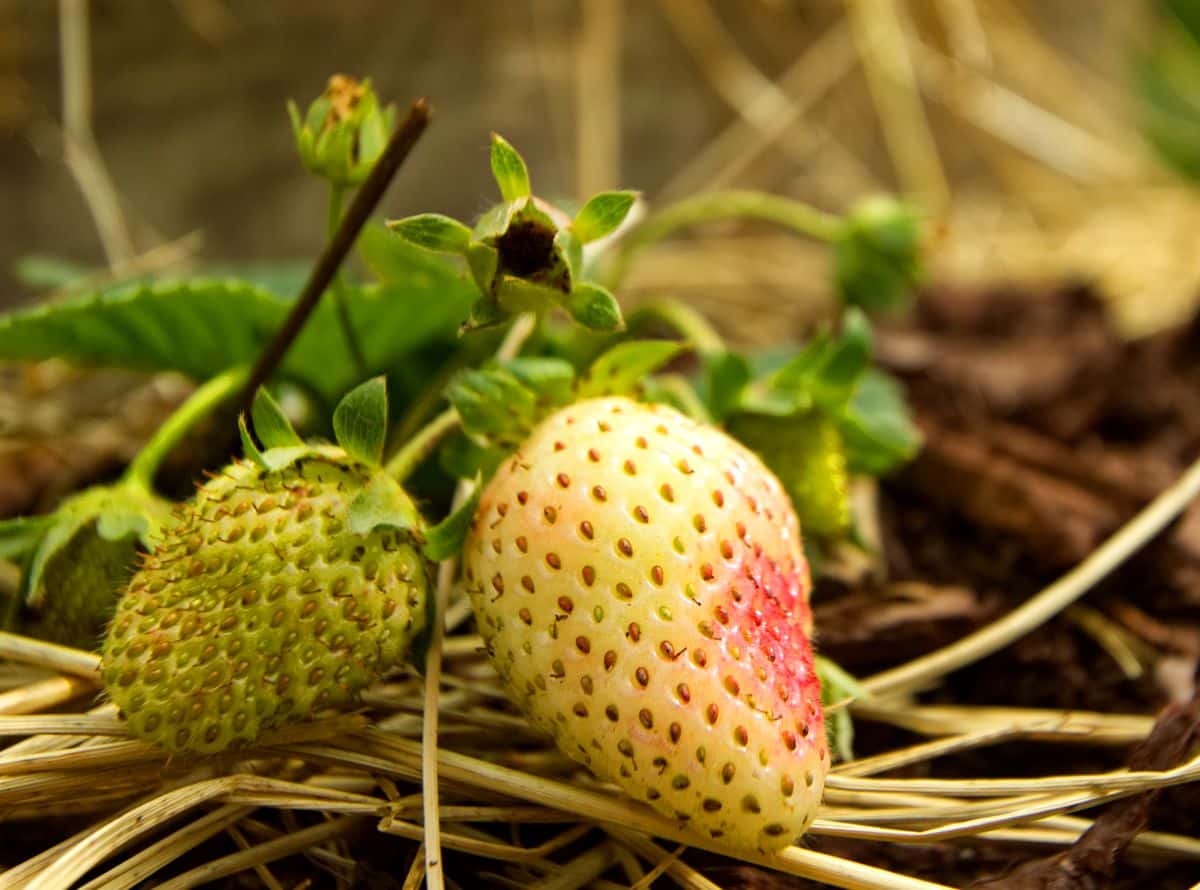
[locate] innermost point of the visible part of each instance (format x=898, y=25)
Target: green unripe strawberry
x=806, y=452
x=78, y=567
x=278, y=594
x=639, y=581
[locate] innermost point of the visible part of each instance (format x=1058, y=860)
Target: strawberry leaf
x=509, y=169
x=619, y=370
x=360, y=421
x=877, y=427
x=602, y=214
x=446, y=538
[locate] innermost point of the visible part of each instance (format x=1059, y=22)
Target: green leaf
x=602, y=214
x=622, y=368
x=445, y=539
x=271, y=425
x=878, y=431
x=595, y=308
x=464, y=458
x=846, y=360
x=433, y=231
x=728, y=375
x=18, y=536
x=500, y=405
x=551, y=379
x=509, y=170
x=360, y=421
x=199, y=327
x=382, y=503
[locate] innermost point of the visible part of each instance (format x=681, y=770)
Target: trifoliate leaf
x=446, y=538
x=602, y=214
x=382, y=503
x=619, y=370
x=433, y=231
x=271, y=425
x=360, y=421
x=595, y=308
x=877, y=428
x=509, y=169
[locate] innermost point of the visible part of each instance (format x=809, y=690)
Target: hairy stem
x=364, y=203
x=800, y=218
x=683, y=319
x=421, y=445
x=337, y=199
x=198, y=405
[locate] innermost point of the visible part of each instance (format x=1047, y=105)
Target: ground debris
x=1091, y=862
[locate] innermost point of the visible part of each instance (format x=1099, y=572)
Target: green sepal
x=19, y=535
x=877, y=427
x=446, y=538
x=464, y=458
x=676, y=391
x=433, y=231
x=621, y=369
x=485, y=313
x=499, y=405
x=602, y=215
x=382, y=503
x=116, y=512
x=516, y=295
x=493, y=222
x=360, y=421
x=570, y=249
x=509, y=170
x=249, y=447
x=838, y=688
x=876, y=255
x=594, y=307
x=482, y=260
x=271, y=425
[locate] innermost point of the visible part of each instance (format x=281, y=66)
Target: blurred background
x=1013, y=123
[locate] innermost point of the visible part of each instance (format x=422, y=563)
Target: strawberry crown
x=524, y=254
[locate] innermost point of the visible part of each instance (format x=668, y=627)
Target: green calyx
x=525, y=255
x=876, y=254
x=87, y=549
x=344, y=131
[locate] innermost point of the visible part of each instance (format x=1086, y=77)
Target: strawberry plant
x=635, y=503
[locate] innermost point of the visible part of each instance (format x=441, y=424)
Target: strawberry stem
x=683, y=319
x=421, y=445
x=801, y=218
x=142, y=469
x=337, y=198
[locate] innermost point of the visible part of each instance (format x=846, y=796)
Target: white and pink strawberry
x=640, y=583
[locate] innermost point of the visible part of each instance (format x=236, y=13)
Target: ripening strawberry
x=264, y=605
x=640, y=584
